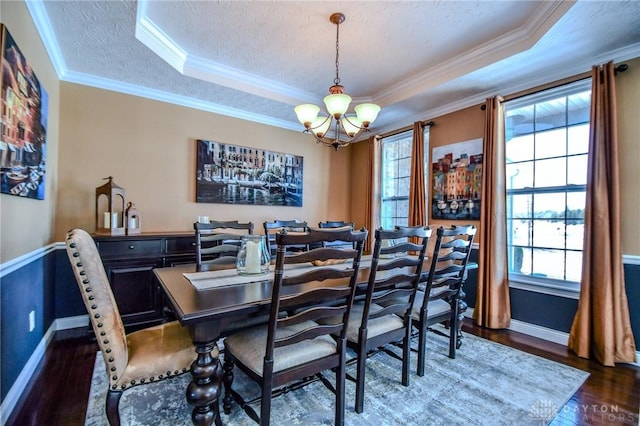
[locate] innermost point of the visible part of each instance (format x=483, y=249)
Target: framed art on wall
x=24, y=107
x=457, y=181
x=232, y=174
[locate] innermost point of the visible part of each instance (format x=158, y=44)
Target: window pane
x=517, y=260
x=577, y=170
x=404, y=167
x=403, y=187
x=575, y=234
x=520, y=175
x=551, y=173
x=551, y=114
x=521, y=232
x=519, y=206
x=519, y=121
x=579, y=107
x=527, y=254
x=548, y=263
x=547, y=233
x=574, y=266
x=550, y=206
x=552, y=143
x=578, y=139
x=519, y=149
x=575, y=204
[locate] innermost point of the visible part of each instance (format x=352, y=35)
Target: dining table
x=207, y=303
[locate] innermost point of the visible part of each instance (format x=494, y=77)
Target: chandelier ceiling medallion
x=346, y=129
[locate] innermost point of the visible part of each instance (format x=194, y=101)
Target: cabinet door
x=136, y=291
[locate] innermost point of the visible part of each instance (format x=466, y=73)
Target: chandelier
x=346, y=128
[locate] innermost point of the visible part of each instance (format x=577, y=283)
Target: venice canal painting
x=232, y=174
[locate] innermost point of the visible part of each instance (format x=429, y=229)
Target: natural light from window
x=547, y=140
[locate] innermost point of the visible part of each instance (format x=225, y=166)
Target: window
x=396, y=175
x=547, y=141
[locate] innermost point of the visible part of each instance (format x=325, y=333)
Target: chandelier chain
x=336, y=80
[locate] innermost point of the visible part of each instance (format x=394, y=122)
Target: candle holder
x=110, y=199
x=253, y=257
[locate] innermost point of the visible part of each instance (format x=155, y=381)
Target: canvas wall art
x=232, y=174
x=457, y=181
x=23, y=125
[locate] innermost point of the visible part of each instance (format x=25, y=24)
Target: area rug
x=487, y=384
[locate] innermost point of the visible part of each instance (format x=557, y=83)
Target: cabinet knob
x=131, y=247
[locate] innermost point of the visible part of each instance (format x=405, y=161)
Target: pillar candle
x=114, y=219
x=252, y=261
x=107, y=220
x=132, y=223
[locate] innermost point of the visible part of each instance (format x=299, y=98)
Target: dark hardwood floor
x=58, y=393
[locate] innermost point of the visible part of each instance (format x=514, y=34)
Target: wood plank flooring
x=58, y=393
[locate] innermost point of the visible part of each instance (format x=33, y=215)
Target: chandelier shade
x=345, y=129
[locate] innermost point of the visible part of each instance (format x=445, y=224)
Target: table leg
x=204, y=389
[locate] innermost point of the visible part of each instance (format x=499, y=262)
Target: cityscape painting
x=23, y=124
x=232, y=174
x=457, y=181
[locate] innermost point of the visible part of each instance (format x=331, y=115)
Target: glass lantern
x=254, y=257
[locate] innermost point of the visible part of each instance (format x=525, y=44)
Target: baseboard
x=18, y=387
x=534, y=330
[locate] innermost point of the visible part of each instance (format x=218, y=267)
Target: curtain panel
x=417, y=190
x=601, y=327
x=372, y=207
x=493, y=307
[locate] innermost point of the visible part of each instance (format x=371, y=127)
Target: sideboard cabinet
x=129, y=261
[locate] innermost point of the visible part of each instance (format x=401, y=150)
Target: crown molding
x=47, y=35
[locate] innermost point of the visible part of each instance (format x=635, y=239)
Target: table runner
x=227, y=277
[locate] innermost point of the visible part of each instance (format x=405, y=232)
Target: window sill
x=568, y=290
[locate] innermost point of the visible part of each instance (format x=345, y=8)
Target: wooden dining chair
x=384, y=317
x=336, y=224
x=293, y=348
x=443, y=286
x=134, y=359
x=218, y=242
x=272, y=228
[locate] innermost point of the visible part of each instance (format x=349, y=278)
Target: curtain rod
x=424, y=123
x=568, y=80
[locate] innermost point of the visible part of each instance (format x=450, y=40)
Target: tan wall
x=149, y=148
x=28, y=224
x=628, y=93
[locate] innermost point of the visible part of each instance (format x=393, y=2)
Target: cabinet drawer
x=145, y=247
x=181, y=245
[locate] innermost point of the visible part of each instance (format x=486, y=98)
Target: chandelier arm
x=310, y=128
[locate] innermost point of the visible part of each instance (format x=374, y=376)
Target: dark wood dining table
x=207, y=313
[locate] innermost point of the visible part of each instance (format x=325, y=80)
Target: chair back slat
x=218, y=242
x=448, y=263
x=395, y=281
x=275, y=227
x=324, y=292
x=338, y=224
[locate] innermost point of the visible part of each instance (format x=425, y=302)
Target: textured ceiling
x=258, y=59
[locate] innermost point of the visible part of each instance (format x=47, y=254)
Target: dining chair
x=134, y=359
x=444, y=284
x=384, y=316
x=272, y=228
x=283, y=355
x=336, y=224
x=218, y=242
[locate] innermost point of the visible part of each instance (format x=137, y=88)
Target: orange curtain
x=493, y=307
x=417, y=202
x=601, y=327
x=372, y=208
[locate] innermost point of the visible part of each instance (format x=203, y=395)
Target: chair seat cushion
x=155, y=351
x=375, y=327
x=434, y=308
x=248, y=347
